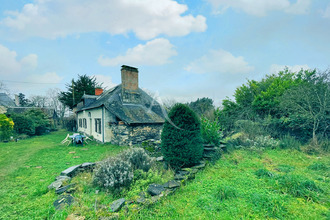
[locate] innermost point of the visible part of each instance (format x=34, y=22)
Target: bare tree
x=54, y=102
x=308, y=104
x=39, y=101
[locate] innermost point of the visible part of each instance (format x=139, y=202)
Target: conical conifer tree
x=181, y=137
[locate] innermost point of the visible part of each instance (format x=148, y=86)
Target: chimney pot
x=98, y=91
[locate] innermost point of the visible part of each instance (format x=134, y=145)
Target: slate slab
x=55, y=185
x=172, y=184
x=63, y=178
x=117, y=205
x=63, y=201
x=70, y=171
x=88, y=165
x=155, y=189
x=63, y=189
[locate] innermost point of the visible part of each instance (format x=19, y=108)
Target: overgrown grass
x=245, y=184
x=27, y=167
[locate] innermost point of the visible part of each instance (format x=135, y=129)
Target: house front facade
x=123, y=115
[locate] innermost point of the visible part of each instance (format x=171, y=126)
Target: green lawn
x=273, y=184
x=27, y=167
x=231, y=189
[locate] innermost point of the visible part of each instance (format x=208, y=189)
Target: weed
x=289, y=142
x=272, y=205
x=226, y=192
x=318, y=166
x=299, y=186
x=285, y=168
x=264, y=173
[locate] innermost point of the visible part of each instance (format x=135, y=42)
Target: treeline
x=294, y=104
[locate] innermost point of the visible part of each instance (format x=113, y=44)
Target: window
x=85, y=123
x=80, y=123
x=98, y=125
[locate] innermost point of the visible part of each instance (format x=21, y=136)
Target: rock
x=199, y=166
x=155, y=189
x=117, y=205
x=209, y=149
x=88, y=165
x=141, y=200
x=63, y=189
x=63, y=201
x=55, y=185
x=208, y=145
x=180, y=177
x=172, y=184
x=70, y=171
x=160, y=159
x=63, y=178
x=154, y=199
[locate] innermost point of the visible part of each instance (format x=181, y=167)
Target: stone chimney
x=130, y=84
x=98, y=91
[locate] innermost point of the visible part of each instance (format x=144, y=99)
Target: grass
x=244, y=184
x=27, y=167
x=273, y=184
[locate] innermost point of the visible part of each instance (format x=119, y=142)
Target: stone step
x=71, y=171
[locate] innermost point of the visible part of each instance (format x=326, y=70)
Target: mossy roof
x=146, y=111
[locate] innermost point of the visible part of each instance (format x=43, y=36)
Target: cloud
x=10, y=65
x=155, y=52
x=275, y=68
x=20, y=75
x=220, y=61
x=261, y=7
x=326, y=13
x=147, y=19
x=105, y=80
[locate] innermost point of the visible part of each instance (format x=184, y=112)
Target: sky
x=184, y=50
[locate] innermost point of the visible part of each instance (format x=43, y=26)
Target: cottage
x=123, y=115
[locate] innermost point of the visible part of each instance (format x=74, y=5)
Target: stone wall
x=127, y=135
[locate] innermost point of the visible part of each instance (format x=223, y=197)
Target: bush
x=289, y=142
x=6, y=127
x=138, y=158
x=211, y=131
x=113, y=174
x=40, y=120
x=181, y=137
x=265, y=142
x=23, y=124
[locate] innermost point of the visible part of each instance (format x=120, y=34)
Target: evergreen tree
x=181, y=137
x=76, y=89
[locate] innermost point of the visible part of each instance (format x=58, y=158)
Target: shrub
x=211, y=131
x=23, y=124
x=6, y=127
x=113, y=174
x=138, y=158
x=181, y=137
x=40, y=120
x=289, y=142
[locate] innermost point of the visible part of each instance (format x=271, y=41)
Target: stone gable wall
x=127, y=135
